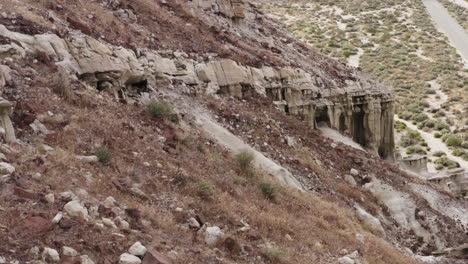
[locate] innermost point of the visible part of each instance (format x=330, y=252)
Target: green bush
x=453, y=141
x=103, y=154
x=244, y=161
x=445, y=162
x=399, y=126
x=439, y=154
x=464, y=144
x=415, y=150
x=159, y=109
x=458, y=152
x=437, y=135
x=205, y=190
x=268, y=190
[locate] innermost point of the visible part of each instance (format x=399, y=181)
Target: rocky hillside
x=185, y=132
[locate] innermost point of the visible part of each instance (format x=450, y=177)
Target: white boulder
x=126, y=258
x=212, y=235
x=137, y=249
x=75, y=209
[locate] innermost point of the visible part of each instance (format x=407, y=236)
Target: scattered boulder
x=354, y=172
x=350, y=179
x=50, y=255
x=6, y=168
x=154, y=257
x=57, y=218
x=86, y=260
x=137, y=249
x=109, y=223
x=371, y=220
x=193, y=223
x=213, y=234
x=40, y=128
x=50, y=198
x=75, y=209
x=126, y=258
x=345, y=260
x=69, y=252
x=88, y=159
x=109, y=202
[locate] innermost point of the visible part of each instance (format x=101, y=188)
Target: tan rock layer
x=363, y=109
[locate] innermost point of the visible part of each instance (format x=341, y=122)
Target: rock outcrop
x=356, y=105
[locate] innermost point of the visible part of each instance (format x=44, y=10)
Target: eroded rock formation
x=361, y=109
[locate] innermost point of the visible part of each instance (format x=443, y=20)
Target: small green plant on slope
x=104, y=154
x=159, y=109
x=244, y=161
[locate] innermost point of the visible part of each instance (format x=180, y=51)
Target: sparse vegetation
x=159, y=109
x=244, y=161
x=268, y=190
x=205, y=190
x=104, y=155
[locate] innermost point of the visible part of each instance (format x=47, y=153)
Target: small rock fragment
x=50, y=198
x=108, y=222
x=86, y=260
x=354, y=172
x=88, y=159
x=345, y=260
x=57, y=218
x=350, y=179
x=69, y=252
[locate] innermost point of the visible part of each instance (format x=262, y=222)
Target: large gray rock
x=126, y=258
x=137, y=249
x=369, y=219
x=213, y=235
x=75, y=209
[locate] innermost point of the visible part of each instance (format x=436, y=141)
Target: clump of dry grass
x=244, y=162
x=61, y=85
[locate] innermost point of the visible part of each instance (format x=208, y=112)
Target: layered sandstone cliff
x=298, y=80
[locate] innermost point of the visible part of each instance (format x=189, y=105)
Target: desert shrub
x=437, y=135
x=429, y=123
x=159, y=109
x=275, y=255
x=455, y=98
x=415, y=150
x=268, y=190
x=441, y=125
x=406, y=115
x=458, y=152
x=453, y=141
x=464, y=144
x=439, y=153
x=445, y=162
x=420, y=117
x=399, y=126
x=244, y=161
x=103, y=154
x=61, y=84
x=205, y=190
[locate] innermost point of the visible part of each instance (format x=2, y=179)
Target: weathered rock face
x=415, y=164
x=455, y=181
x=234, y=9
x=359, y=106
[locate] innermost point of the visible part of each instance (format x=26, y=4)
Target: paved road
x=446, y=24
